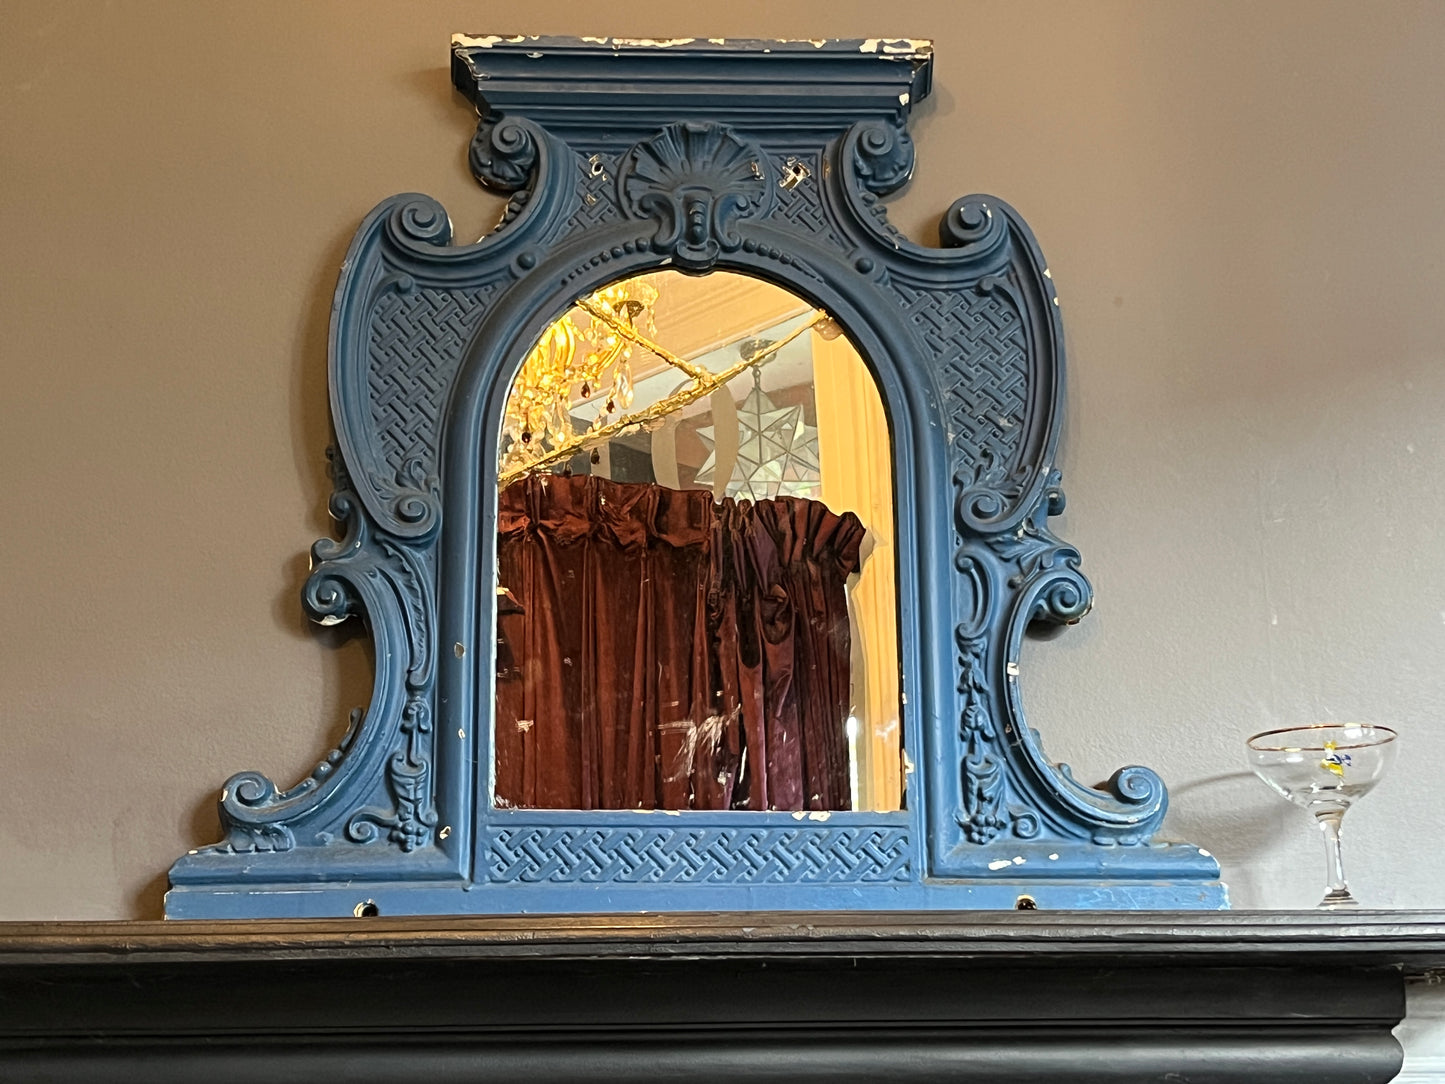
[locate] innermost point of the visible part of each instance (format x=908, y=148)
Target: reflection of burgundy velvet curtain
x=671, y=652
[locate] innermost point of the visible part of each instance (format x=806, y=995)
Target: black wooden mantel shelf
x=977, y=996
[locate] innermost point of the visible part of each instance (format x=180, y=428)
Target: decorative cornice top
x=757, y=86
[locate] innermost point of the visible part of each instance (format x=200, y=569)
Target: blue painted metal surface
x=767, y=158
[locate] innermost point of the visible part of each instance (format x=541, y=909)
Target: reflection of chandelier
x=570, y=363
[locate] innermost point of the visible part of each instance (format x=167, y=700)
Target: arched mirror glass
x=696, y=588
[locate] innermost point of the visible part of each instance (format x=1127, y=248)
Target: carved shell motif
x=697, y=180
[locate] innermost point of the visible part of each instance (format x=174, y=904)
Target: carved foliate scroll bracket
x=772, y=159
x=384, y=582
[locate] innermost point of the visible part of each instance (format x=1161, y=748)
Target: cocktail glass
x=1325, y=768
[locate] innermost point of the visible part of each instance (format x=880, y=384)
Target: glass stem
x=1338, y=892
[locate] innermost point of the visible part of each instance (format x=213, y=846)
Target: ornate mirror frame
x=770, y=159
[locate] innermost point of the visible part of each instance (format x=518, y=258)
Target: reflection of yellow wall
x=857, y=470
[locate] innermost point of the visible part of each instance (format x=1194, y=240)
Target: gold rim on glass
x=1390, y=735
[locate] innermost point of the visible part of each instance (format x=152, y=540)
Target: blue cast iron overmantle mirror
x=698, y=517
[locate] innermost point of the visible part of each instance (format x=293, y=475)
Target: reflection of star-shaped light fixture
x=777, y=453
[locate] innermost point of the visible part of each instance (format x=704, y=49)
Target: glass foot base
x=1339, y=897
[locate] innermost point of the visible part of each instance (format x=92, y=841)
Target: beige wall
x=1244, y=211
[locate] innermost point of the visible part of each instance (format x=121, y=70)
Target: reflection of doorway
x=800, y=420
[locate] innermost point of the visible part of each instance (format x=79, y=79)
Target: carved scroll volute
x=985, y=306
x=403, y=283
x=503, y=153
x=1015, y=572
x=362, y=575
x=880, y=154
x=1050, y=589
x=406, y=305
